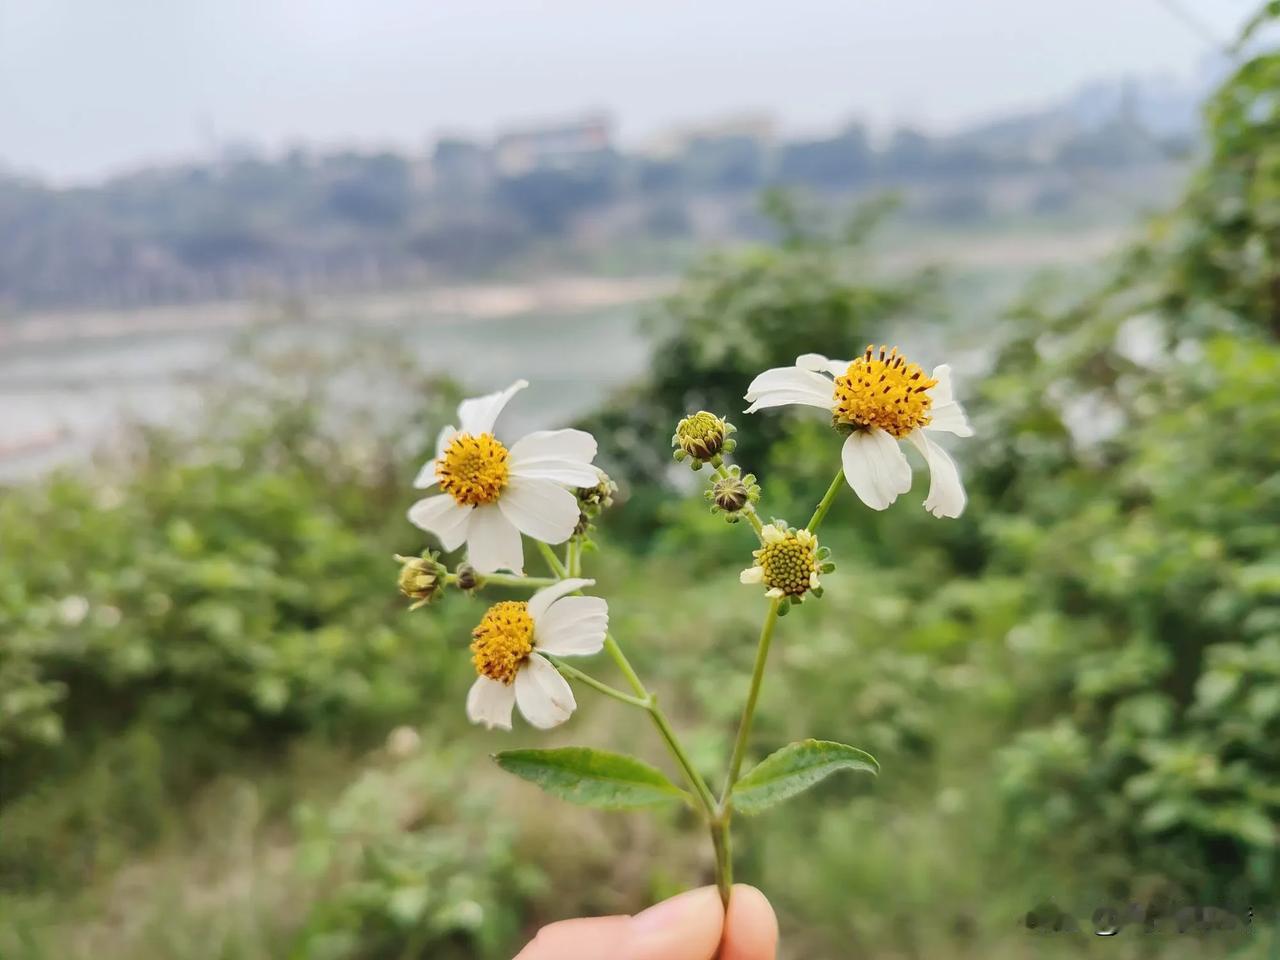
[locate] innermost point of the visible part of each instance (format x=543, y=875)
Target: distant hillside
x=308, y=221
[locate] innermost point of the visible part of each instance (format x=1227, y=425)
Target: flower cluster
x=489, y=494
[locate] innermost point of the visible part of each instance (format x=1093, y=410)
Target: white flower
x=492, y=494
x=881, y=399
x=507, y=649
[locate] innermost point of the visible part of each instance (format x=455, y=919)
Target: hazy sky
x=89, y=87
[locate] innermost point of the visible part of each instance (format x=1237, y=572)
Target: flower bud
x=702, y=437
x=466, y=579
x=421, y=578
x=733, y=493
x=594, y=500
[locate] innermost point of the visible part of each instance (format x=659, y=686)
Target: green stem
x=749, y=710
x=722, y=840
x=598, y=685
x=646, y=701
x=828, y=498
x=695, y=779
x=507, y=580
x=620, y=658
x=553, y=561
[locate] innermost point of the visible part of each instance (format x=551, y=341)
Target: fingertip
x=751, y=927
x=686, y=927
x=585, y=939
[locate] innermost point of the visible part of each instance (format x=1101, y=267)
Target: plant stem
x=696, y=781
x=624, y=665
x=507, y=580
x=722, y=840
x=599, y=685
x=644, y=700
x=749, y=710
x=553, y=561
x=828, y=498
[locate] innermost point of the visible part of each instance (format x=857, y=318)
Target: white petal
x=752, y=574
x=785, y=385
x=544, y=510
x=443, y=516
x=490, y=702
x=946, y=492
x=555, y=445
x=493, y=543
x=478, y=415
x=816, y=361
x=949, y=418
x=561, y=455
x=875, y=467
x=946, y=413
x=573, y=627
x=544, y=696
x=544, y=598
x=941, y=391
x=447, y=433
x=426, y=478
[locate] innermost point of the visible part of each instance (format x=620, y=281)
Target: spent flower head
x=878, y=399
x=702, y=437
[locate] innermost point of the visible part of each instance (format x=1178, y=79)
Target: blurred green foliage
x=1113, y=586
x=413, y=863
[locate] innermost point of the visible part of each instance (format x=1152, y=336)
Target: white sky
x=89, y=87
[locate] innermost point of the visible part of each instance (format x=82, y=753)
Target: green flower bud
x=702, y=436
x=421, y=578
x=731, y=494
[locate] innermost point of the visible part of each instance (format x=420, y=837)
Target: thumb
x=686, y=927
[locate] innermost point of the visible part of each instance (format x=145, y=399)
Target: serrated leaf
x=592, y=778
x=794, y=769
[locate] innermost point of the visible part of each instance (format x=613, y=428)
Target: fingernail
x=667, y=914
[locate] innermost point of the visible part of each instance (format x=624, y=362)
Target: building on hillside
x=560, y=146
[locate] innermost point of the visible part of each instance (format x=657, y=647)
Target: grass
x=270, y=857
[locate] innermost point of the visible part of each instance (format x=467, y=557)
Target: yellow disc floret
x=883, y=391
x=788, y=561
x=502, y=641
x=473, y=469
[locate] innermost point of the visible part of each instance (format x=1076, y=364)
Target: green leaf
x=794, y=769
x=592, y=778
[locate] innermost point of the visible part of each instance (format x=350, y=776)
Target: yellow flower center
x=473, y=469
x=789, y=563
x=502, y=641
x=884, y=391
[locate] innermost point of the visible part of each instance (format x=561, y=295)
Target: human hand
x=690, y=926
